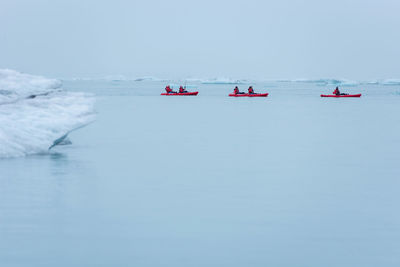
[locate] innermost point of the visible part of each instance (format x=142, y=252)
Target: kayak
x=249, y=95
x=188, y=93
x=357, y=95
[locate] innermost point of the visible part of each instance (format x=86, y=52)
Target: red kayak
x=357, y=95
x=188, y=93
x=249, y=95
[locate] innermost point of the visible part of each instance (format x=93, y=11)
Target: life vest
x=181, y=90
x=251, y=91
x=336, y=92
x=168, y=89
x=236, y=90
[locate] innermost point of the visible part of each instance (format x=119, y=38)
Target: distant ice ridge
x=118, y=78
x=344, y=82
x=222, y=81
x=36, y=113
x=383, y=82
x=324, y=82
x=135, y=79
x=389, y=82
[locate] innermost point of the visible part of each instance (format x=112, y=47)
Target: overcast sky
x=357, y=39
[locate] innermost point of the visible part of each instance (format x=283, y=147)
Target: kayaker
x=336, y=92
x=251, y=90
x=236, y=91
x=182, y=90
x=169, y=90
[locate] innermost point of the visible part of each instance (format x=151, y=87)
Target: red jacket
x=168, y=89
x=251, y=91
x=181, y=90
x=236, y=91
x=336, y=92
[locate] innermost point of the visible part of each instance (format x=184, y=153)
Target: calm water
x=290, y=180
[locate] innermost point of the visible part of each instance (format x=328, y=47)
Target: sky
x=251, y=39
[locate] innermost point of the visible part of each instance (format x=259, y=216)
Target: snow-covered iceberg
x=36, y=113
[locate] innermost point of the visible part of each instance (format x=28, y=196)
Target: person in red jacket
x=251, y=90
x=169, y=90
x=337, y=92
x=236, y=91
x=182, y=90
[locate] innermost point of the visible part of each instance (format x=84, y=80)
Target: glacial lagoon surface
x=288, y=180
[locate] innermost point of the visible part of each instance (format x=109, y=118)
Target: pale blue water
x=288, y=180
